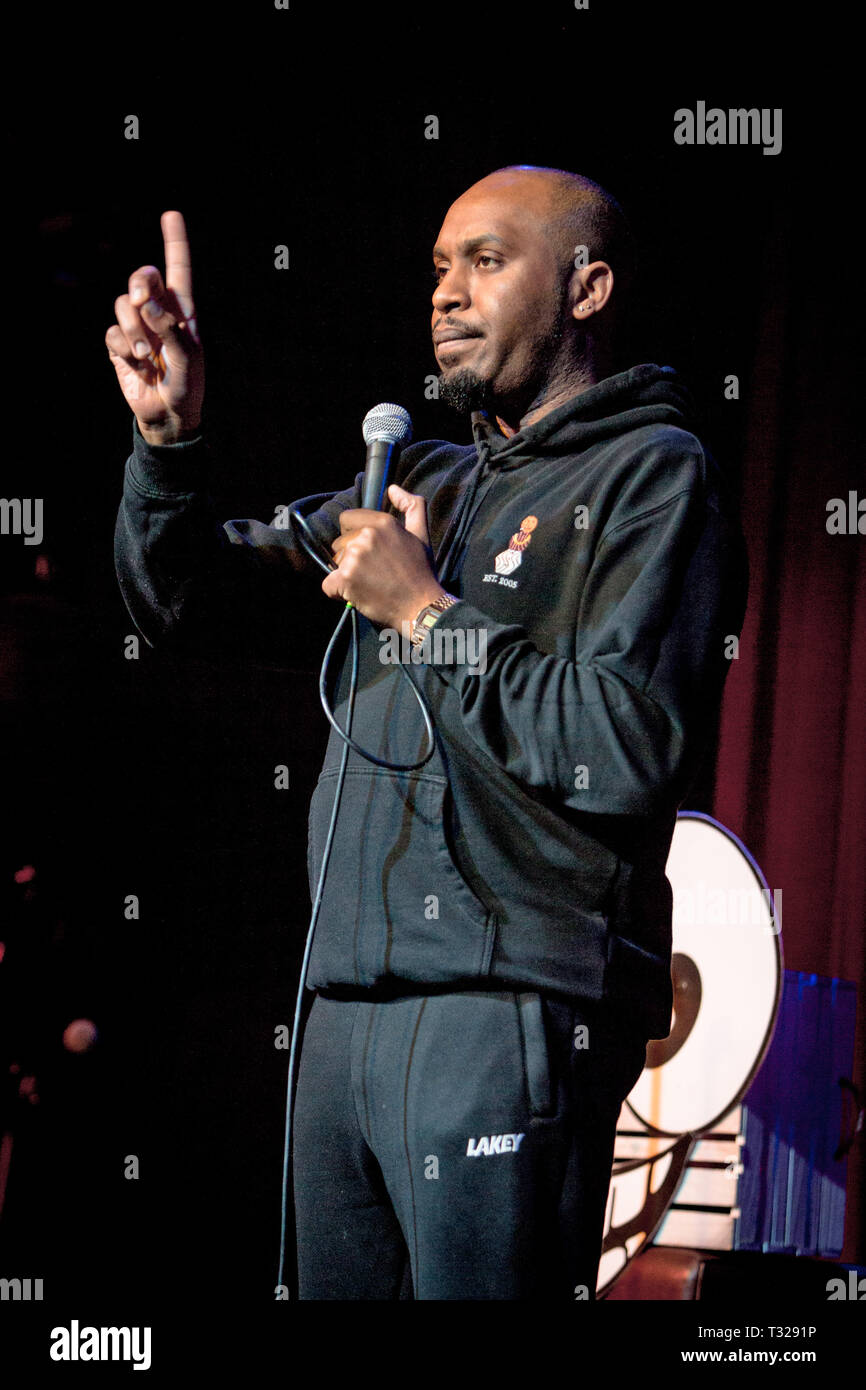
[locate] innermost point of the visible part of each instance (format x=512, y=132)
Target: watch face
x=426, y=619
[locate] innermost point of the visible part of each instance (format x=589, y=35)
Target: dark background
x=156, y=776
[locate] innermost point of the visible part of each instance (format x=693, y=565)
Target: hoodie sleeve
x=192, y=582
x=614, y=728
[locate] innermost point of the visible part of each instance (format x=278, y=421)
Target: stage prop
x=731, y=1139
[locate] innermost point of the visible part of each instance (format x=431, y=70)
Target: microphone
x=386, y=429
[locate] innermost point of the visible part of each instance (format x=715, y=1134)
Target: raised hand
x=155, y=345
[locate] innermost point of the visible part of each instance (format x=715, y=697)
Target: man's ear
x=592, y=287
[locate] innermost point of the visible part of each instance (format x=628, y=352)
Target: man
x=493, y=948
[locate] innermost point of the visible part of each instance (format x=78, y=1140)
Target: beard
x=464, y=391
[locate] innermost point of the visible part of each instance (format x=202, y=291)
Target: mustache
x=462, y=330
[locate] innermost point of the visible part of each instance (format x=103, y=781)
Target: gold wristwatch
x=425, y=620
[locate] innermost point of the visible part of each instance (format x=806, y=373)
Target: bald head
x=578, y=212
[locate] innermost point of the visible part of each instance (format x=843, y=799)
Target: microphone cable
x=313, y=547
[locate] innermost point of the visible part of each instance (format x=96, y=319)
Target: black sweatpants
x=457, y=1146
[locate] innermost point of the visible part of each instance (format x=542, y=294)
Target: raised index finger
x=178, y=265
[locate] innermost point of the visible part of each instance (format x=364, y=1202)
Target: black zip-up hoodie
x=600, y=575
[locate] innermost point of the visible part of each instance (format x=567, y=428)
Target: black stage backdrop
x=155, y=777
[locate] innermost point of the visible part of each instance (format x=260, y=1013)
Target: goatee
x=464, y=391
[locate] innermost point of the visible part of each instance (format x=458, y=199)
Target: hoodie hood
x=643, y=395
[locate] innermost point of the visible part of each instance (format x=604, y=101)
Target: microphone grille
x=389, y=422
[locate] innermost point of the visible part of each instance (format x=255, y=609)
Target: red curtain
x=791, y=773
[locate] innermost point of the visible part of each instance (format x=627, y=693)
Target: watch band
x=425, y=620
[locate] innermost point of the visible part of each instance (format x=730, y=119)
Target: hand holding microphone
x=383, y=568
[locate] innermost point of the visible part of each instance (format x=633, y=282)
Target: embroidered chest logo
x=507, y=560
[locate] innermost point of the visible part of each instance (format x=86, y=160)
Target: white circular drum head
x=727, y=970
